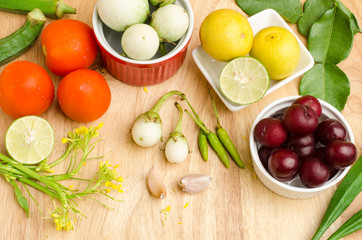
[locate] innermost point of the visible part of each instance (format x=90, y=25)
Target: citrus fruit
x=25, y=89
x=29, y=139
x=244, y=80
x=278, y=50
x=84, y=95
x=226, y=34
x=68, y=45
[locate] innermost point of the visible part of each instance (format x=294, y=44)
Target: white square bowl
x=211, y=68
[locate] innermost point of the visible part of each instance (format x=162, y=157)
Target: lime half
x=244, y=80
x=29, y=139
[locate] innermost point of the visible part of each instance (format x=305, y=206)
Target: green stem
x=163, y=99
x=193, y=110
x=198, y=122
x=40, y=178
x=63, y=8
x=178, y=127
x=39, y=187
x=63, y=157
x=162, y=49
x=215, y=110
x=10, y=169
x=76, y=170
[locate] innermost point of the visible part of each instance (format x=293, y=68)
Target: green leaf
x=330, y=38
x=327, y=82
x=312, y=11
x=23, y=202
x=291, y=10
x=346, y=192
x=350, y=226
x=352, y=18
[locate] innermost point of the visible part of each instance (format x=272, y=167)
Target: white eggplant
x=120, y=14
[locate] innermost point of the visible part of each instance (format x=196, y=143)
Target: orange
x=25, y=89
x=68, y=45
x=84, y=95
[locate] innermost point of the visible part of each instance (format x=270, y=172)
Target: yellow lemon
x=226, y=34
x=278, y=50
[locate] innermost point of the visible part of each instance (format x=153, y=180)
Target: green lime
x=244, y=80
x=29, y=139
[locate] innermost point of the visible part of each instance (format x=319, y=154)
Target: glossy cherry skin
x=264, y=154
x=270, y=132
x=341, y=154
x=283, y=164
x=330, y=130
x=313, y=172
x=310, y=101
x=300, y=119
x=321, y=155
x=303, y=146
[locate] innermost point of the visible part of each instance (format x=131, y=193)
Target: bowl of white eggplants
x=143, y=42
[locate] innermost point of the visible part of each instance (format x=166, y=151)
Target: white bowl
x=211, y=68
x=294, y=188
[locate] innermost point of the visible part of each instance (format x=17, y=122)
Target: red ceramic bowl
x=140, y=73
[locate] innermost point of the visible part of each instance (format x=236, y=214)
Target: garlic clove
x=155, y=184
x=194, y=183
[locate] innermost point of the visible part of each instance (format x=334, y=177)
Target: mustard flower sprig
x=62, y=219
x=40, y=177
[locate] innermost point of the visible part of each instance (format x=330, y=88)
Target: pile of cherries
x=295, y=142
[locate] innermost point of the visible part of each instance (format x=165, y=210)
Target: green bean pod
x=203, y=147
x=229, y=146
x=351, y=225
x=218, y=148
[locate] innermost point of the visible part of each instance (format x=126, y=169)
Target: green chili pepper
x=203, y=147
x=351, y=225
x=218, y=147
x=211, y=137
x=225, y=139
x=349, y=188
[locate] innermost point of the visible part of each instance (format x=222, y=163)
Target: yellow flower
x=167, y=209
x=100, y=125
x=64, y=140
x=83, y=130
x=61, y=219
x=107, y=173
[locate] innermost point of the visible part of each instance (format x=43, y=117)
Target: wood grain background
x=236, y=206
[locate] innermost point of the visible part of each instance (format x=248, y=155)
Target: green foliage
x=327, y=82
x=330, y=39
x=346, y=192
x=330, y=27
x=350, y=226
x=290, y=10
x=353, y=21
x=312, y=11
x=23, y=202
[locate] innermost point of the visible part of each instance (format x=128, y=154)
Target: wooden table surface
x=236, y=205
